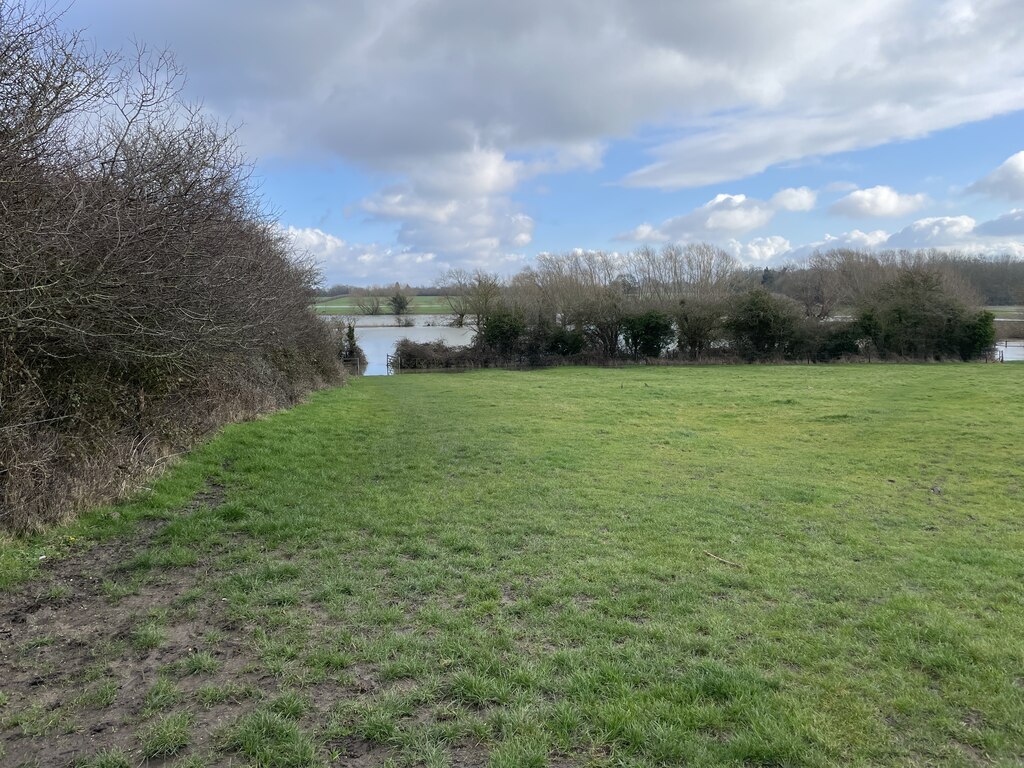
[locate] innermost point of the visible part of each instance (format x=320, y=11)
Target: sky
x=396, y=139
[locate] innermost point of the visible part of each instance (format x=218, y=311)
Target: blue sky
x=399, y=138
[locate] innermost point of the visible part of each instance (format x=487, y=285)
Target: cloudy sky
x=397, y=138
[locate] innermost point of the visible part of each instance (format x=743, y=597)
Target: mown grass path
x=512, y=569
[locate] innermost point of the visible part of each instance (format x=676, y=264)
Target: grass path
x=510, y=569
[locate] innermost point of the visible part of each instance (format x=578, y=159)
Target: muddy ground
x=75, y=671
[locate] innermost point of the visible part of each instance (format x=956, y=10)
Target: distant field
x=713, y=566
x=1008, y=312
x=1009, y=321
x=348, y=305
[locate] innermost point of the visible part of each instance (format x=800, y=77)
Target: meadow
x=348, y=305
x=735, y=565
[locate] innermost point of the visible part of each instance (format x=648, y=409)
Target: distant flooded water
x=378, y=334
x=1012, y=352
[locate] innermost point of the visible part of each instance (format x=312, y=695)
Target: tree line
x=697, y=303
x=145, y=294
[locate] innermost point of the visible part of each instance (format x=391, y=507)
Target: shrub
x=503, y=331
x=564, y=341
x=647, y=334
x=434, y=354
x=761, y=325
x=145, y=298
x=352, y=354
x=913, y=315
x=699, y=324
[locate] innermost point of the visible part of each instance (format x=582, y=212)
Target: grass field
x=1008, y=312
x=346, y=305
x=529, y=569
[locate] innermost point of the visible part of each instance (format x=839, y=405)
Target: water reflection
x=378, y=334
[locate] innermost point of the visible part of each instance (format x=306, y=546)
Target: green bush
x=761, y=325
x=647, y=334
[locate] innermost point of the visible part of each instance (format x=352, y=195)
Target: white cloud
x=376, y=82
x=460, y=101
x=722, y=217
x=644, y=233
x=878, y=201
x=760, y=250
x=854, y=239
x=1008, y=225
x=1006, y=181
x=344, y=262
x=997, y=237
x=458, y=205
x=729, y=213
x=933, y=232
x=795, y=199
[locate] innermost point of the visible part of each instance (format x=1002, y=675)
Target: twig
x=723, y=560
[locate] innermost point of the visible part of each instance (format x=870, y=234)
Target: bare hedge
x=145, y=295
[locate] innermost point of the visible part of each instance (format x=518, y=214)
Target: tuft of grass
x=212, y=694
x=198, y=663
x=194, y=761
x=107, y=758
x=214, y=637
x=39, y=641
x=148, y=636
x=97, y=697
x=58, y=592
x=35, y=719
x=269, y=740
x=116, y=590
x=166, y=736
x=162, y=695
x=290, y=705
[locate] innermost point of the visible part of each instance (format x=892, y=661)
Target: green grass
x=148, y=636
x=212, y=694
x=162, y=695
x=199, y=663
x=347, y=305
x=270, y=740
x=113, y=758
x=1009, y=312
x=525, y=564
x=166, y=736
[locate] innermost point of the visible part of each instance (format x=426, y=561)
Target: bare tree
x=369, y=303
x=471, y=296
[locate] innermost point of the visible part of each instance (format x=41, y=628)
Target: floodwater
x=1013, y=351
x=378, y=334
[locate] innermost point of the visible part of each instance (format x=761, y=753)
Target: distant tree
x=699, y=323
x=471, y=296
x=647, y=334
x=762, y=325
x=914, y=315
x=817, y=286
x=351, y=353
x=369, y=304
x=400, y=301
